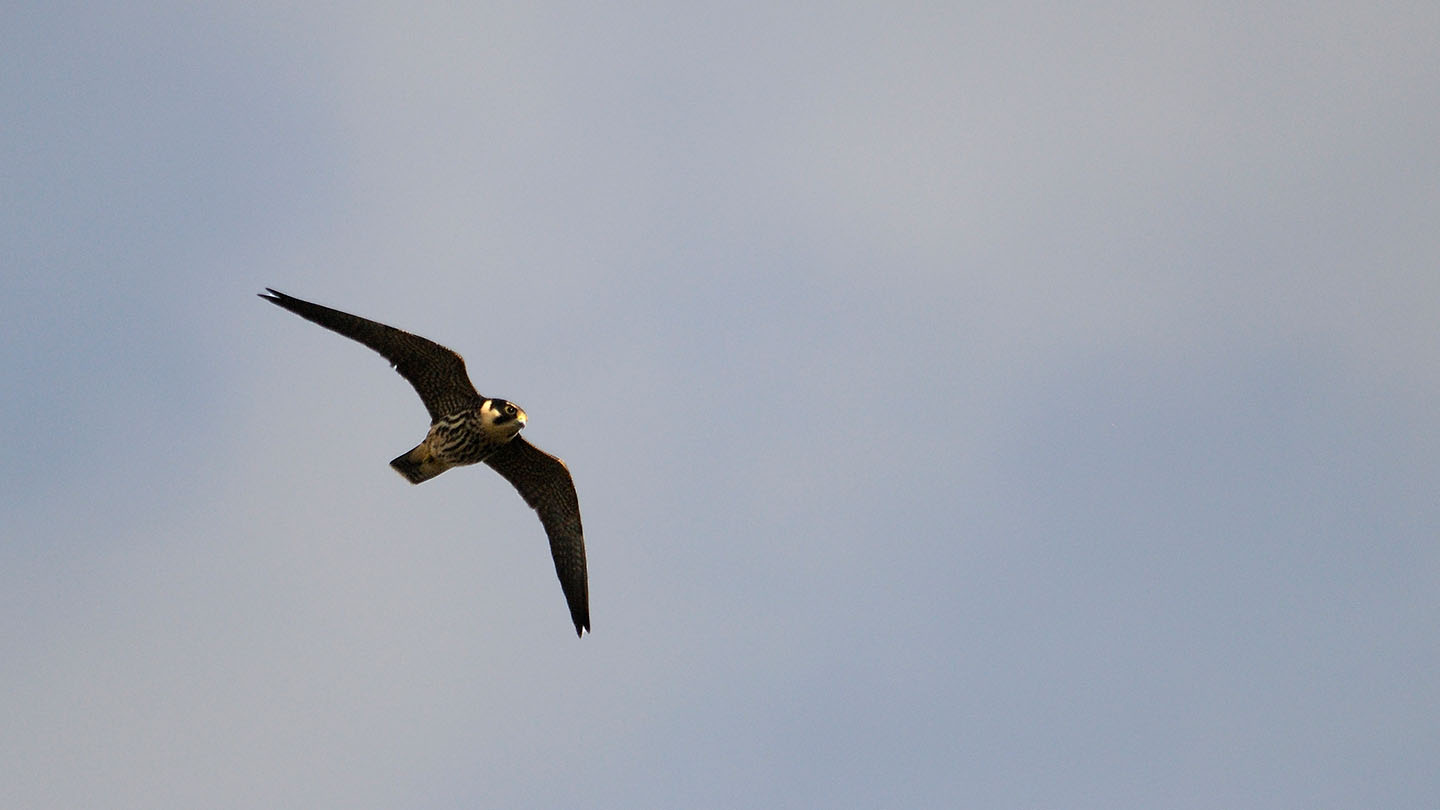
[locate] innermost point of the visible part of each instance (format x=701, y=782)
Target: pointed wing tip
x=582, y=626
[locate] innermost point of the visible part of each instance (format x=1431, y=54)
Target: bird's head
x=502, y=416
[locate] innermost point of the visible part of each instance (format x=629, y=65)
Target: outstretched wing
x=545, y=483
x=437, y=373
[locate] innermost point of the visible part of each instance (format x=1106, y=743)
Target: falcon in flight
x=466, y=428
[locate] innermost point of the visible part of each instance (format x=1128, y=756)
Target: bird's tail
x=419, y=464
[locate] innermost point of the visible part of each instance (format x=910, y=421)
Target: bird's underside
x=466, y=428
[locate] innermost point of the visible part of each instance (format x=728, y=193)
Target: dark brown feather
x=545, y=483
x=437, y=373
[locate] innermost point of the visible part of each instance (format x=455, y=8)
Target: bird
x=467, y=428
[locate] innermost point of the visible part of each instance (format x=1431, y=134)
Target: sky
x=971, y=405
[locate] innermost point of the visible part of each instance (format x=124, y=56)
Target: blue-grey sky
x=972, y=405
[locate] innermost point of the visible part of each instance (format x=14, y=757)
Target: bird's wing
x=545, y=483
x=437, y=373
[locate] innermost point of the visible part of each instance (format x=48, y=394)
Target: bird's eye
x=510, y=410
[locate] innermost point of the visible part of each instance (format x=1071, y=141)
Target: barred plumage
x=467, y=428
x=462, y=439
